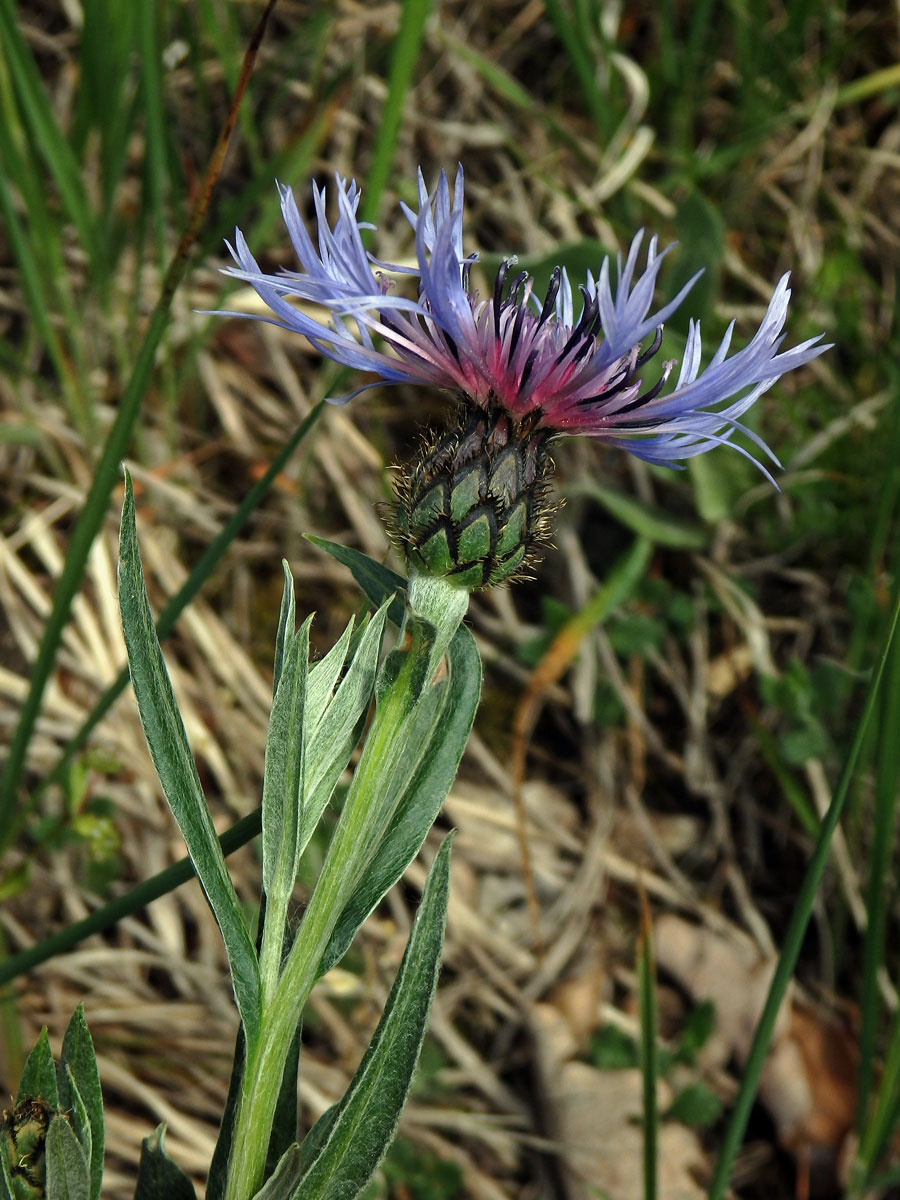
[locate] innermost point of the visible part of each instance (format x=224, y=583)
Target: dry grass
x=675, y=801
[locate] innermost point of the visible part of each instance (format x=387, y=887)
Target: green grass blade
x=649, y=1063
x=406, y=51
x=153, y=111
x=793, y=938
x=886, y=783
x=579, y=52
x=105, y=473
x=203, y=569
x=86, y=527
x=36, y=297
x=177, y=772
x=48, y=137
x=139, y=897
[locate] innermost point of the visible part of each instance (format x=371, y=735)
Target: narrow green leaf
x=329, y=743
x=68, y=1176
x=76, y=1113
x=6, y=1185
x=282, y=1182
x=345, y=1146
x=422, y=800
x=324, y=674
x=39, y=1074
x=286, y=620
x=879, y=865
x=218, y=1168
x=47, y=135
x=78, y=1058
x=649, y=1065
x=646, y=520
x=793, y=937
x=405, y=56
x=283, y=781
x=177, y=771
x=377, y=581
x=159, y=1178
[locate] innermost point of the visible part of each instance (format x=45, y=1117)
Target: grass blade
x=793, y=938
x=48, y=137
x=105, y=473
x=649, y=1064
x=203, y=569
x=407, y=48
x=139, y=897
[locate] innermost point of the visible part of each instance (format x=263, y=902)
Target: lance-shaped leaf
x=78, y=1073
x=282, y=1182
x=345, y=1146
x=378, y=582
x=329, y=743
x=422, y=800
x=177, y=771
x=39, y=1074
x=285, y=623
x=68, y=1174
x=159, y=1178
x=283, y=783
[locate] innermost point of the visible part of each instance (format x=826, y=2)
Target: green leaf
x=6, y=1185
x=218, y=1168
x=646, y=973
x=76, y=1113
x=283, y=1181
x=330, y=741
x=68, y=1175
x=283, y=780
x=345, y=1146
x=159, y=1178
x=423, y=797
x=324, y=674
x=285, y=624
x=378, y=582
x=177, y=771
x=39, y=1074
x=695, y=1105
x=698, y=1028
x=613, y=1050
x=646, y=520
x=79, y=1065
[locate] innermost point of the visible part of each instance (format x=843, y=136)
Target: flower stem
x=378, y=785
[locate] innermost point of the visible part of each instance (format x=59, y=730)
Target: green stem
x=369, y=806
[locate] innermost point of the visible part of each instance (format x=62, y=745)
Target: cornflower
x=523, y=371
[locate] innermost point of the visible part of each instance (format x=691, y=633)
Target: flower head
x=529, y=357
x=475, y=506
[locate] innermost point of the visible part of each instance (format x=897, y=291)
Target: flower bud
x=22, y=1137
x=475, y=505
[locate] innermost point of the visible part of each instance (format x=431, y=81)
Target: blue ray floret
x=533, y=359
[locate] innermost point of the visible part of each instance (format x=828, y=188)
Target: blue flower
x=533, y=359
